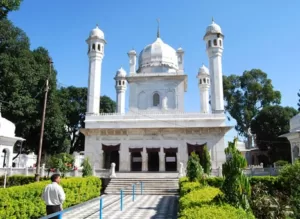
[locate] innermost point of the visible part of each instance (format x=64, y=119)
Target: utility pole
x=38, y=166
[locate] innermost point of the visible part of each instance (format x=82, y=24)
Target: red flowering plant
x=63, y=163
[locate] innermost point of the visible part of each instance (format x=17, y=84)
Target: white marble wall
x=141, y=93
x=93, y=147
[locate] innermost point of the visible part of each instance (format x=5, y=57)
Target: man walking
x=54, y=196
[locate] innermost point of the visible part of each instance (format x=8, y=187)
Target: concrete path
x=144, y=207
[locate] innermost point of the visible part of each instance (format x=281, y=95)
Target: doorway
x=111, y=157
x=136, y=161
x=153, y=161
x=171, y=161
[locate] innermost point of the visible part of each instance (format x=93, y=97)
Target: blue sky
x=258, y=34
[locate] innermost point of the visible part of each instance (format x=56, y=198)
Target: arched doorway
x=5, y=157
x=153, y=159
x=171, y=159
x=111, y=155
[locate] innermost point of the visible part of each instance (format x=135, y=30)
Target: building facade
x=155, y=133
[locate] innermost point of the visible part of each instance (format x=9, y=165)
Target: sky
x=258, y=34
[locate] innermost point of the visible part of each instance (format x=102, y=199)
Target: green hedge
x=271, y=182
x=198, y=197
x=215, y=212
x=18, y=180
x=25, y=201
x=187, y=187
x=199, y=201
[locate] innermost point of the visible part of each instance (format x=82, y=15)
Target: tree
x=194, y=169
x=246, y=95
x=23, y=75
x=87, y=168
x=268, y=125
x=299, y=101
x=205, y=160
x=107, y=105
x=8, y=5
x=236, y=186
x=73, y=101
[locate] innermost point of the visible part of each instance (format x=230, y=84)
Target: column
x=162, y=167
x=101, y=159
x=144, y=160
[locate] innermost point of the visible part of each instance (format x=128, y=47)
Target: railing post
x=121, y=200
x=141, y=188
x=133, y=187
x=101, y=206
x=60, y=215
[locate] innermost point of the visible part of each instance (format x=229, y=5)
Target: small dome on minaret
x=121, y=73
x=213, y=28
x=203, y=71
x=97, y=33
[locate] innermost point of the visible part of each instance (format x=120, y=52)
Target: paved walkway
x=144, y=207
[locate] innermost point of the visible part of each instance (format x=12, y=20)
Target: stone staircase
x=151, y=186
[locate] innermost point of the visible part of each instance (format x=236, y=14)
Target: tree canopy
x=8, y=5
x=246, y=95
x=268, y=125
x=23, y=75
x=73, y=101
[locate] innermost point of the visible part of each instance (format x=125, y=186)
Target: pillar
x=144, y=161
x=101, y=159
x=162, y=167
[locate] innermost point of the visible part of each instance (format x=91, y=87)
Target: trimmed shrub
x=87, y=169
x=25, y=201
x=198, y=197
x=215, y=212
x=194, y=169
x=187, y=187
x=18, y=180
x=215, y=181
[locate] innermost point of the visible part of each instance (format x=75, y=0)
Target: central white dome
x=158, y=57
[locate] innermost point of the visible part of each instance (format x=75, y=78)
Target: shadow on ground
x=166, y=208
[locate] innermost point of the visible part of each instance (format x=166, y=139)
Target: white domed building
x=7, y=141
x=294, y=137
x=155, y=133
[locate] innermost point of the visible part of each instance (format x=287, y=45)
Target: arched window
x=119, y=82
x=209, y=43
x=204, y=80
x=220, y=42
x=215, y=42
x=200, y=82
x=123, y=82
x=99, y=47
x=93, y=47
x=156, y=99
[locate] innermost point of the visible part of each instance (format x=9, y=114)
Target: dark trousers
x=52, y=209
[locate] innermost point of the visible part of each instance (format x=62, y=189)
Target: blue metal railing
x=61, y=213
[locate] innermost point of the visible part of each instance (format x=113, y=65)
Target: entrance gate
x=111, y=155
x=153, y=159
x=171, y=159
x=136, y=159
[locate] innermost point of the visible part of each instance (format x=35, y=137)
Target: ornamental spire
x=158, y=32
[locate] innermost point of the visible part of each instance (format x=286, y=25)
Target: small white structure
x=155, y=133
x=294, y=137
x=7, y=141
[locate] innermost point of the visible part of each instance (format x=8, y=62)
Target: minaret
x=180, y=54
x=132, y=61
x=121, y=86
x=204, y=84
x=214, y=49
x=96, y=44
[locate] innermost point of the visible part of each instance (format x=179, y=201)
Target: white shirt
x=53, y=194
